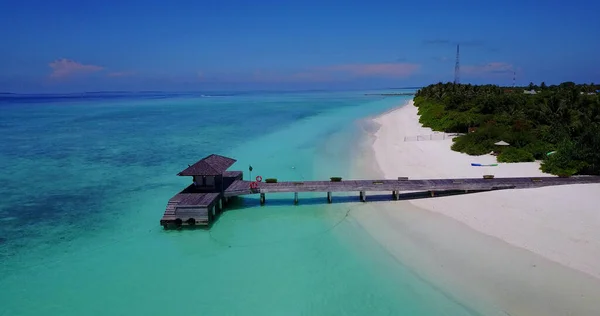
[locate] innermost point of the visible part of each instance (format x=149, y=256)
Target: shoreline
x=523, y=247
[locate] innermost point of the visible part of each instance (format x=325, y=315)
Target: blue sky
x=70, y=46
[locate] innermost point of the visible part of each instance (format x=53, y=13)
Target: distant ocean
x=85, y=180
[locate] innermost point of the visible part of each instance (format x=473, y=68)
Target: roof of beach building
x=213, y=165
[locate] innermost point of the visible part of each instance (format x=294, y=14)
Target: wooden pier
x=202, y=202
x=194, y=208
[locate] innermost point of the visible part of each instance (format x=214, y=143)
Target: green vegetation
x=515, y=155
x=563, y=118
x=336, y=179
x=271, y=180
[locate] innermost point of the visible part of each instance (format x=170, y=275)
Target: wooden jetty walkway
x=213, y=186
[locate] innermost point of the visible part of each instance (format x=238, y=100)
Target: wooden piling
x=210, y=214
x=295, y=198
x=262, y=199
x=363, y=196
x=329, y=197
x=432, y=193
x=395, y=195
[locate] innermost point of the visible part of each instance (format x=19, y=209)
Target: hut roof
x=212, y=165
x=501, y=143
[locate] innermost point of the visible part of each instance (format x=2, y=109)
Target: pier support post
x=363, y=196
x=295, y=198
x=395, y=195
x=432, y=193
x=329, y=197
x=220, y=207
x=262, y=199
x=211, y=214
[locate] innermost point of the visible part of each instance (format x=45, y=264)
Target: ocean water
x=85, y=180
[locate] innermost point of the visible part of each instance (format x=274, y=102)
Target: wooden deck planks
x=198, y=214
x=232, y=174
x=240, y=187
x=197, y=199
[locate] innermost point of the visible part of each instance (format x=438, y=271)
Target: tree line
x=559, y=124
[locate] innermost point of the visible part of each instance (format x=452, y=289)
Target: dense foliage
x=563, y=118
x=515, y=155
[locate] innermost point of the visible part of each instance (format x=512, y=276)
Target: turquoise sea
x=85, y=180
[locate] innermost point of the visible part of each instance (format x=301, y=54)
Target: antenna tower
x=514, y=78
x=457, y=66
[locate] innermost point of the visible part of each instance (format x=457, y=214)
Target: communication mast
x=457, y=66
x=514, y=78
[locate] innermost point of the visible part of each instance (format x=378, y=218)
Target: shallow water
x=86, y=181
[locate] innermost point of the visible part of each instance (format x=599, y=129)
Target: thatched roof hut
x=213, y=165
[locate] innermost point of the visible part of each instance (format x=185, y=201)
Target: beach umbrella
x=501, y=143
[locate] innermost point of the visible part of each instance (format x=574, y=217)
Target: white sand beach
x=532, y=251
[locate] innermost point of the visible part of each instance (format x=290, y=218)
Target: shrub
x=336, y=179
x=539, y=149
x=515, y=155
x=566, y=161
x=469, y=145
x=481, y=141
x=562, y=164
x=271, y=180
x=561, y=167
